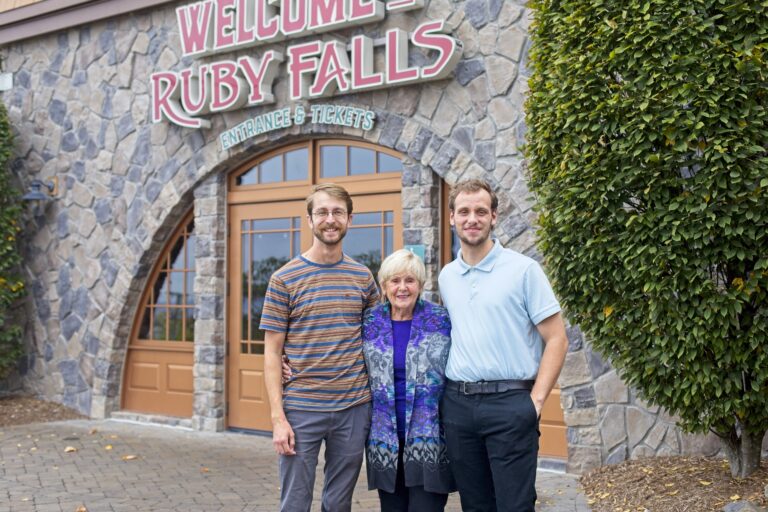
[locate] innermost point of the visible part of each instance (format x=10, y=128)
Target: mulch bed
x=674, y=484
x=21, y=410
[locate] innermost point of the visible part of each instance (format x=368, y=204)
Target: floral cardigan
x=425, y=460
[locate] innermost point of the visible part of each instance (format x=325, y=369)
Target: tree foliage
x=11, y=286
x=647, y=149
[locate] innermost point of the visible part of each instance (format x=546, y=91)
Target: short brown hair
x=333, y=190
x=471, y=186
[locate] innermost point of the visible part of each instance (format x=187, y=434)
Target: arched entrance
x=267, y=226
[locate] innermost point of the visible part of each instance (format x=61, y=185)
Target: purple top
x=401, y=332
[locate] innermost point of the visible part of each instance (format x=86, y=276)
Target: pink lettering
x=363, y=76
x=227, y=89
x=294, y=16
x=366, y=10
x=429, y=35
x=194, y=86
x=224, y=24
x=397, y=58
x=266, y=30
x=244, y=32
x=261, y=76
x=195, y=27
x=300, y=62
x=332, y=71
x=164, y=101
x=326, y=14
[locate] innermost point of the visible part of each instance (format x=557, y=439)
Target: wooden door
x=263, y=237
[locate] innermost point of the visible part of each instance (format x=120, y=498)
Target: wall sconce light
x=39, y=193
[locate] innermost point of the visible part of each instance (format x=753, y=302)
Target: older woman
x=405, y=344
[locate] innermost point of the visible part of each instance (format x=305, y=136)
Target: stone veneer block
x=583, y=458
x=610, y=389
x=580, y=417
x=575, y=370
x=613, y=426
x=639, y=422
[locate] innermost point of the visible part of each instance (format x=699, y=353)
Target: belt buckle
x=463, y=388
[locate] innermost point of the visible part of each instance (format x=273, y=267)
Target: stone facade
x=80, y=108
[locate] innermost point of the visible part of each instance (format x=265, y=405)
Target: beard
x=478, y=239
x=330, y=238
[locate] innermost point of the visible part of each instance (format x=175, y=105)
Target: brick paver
x=119, y=466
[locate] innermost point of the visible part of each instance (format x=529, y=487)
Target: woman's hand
x=287, y=370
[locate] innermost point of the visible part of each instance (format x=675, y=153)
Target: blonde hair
x=333, y=190
x=402, y=261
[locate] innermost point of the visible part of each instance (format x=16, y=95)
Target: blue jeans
x=493, y=444
x=344, y=433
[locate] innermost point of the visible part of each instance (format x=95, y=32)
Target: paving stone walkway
x=115, y=466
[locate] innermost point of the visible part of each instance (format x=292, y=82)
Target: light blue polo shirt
x=494, y=308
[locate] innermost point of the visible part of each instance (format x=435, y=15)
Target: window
x=288, y=166
x=169, y=309
x=343, y=160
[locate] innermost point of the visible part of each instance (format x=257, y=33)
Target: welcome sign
x=315, y=67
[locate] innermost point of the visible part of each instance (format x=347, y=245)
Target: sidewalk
x=158, y=469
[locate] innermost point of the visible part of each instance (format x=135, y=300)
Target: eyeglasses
x=337, y=213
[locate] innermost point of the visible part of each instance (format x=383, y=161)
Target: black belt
x=490, y=386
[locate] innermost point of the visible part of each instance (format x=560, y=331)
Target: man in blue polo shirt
x=508, y=344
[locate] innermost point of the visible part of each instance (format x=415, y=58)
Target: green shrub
x=647, y=148
x=11, y=285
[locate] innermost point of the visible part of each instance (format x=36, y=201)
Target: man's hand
x=538, y=405
x=282, y=438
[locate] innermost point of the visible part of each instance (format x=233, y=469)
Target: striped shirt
x=320, y=308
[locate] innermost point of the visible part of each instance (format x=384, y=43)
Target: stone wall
x=79, y=106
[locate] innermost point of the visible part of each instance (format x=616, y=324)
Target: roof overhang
x=49, y=16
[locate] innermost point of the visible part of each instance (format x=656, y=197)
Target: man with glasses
x=313, y=312
x=508, y=344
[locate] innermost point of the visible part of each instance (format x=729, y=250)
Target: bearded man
x=313, y=313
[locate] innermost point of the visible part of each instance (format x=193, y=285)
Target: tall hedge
x=647, y=149
x=11, y=286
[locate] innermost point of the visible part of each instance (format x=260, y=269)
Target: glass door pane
x=266, y=245
x=369, y=239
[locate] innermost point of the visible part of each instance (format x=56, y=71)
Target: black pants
x=410, y=499
x=493, y=443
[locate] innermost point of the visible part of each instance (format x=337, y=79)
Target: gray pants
x=344, y=433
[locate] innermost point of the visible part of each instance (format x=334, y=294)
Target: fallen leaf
x=70, y=449
x=669, y=485
x=129, y=457
x=113, y=436
x=705, y=483
x=108, y=447
x=204, y=470
x=81, y=508
x=673, y=493
x=735, y=497
x=92, y=431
